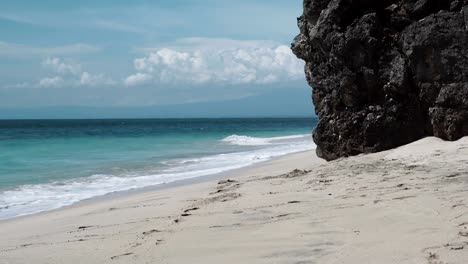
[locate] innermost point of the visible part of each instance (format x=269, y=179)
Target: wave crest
x=259, y=141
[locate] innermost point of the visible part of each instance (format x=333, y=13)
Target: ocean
x=48, y=164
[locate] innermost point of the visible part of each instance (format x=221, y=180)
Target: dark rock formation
x=385, y=72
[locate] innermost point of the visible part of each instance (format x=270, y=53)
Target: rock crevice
x=384, y=73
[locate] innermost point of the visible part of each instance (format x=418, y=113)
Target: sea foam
x=259, y=141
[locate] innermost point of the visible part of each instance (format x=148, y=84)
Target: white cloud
x=65, y=74
x=61, y=67
x=224, y=61
x=270, y=78
x=207, y=44
x=19, y=50
x=88, y=79
x=137, y=79
x=71, y=74
x=51, y=82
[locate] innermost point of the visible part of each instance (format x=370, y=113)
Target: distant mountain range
x=294, y=103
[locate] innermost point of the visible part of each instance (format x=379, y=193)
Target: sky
x=204, y=56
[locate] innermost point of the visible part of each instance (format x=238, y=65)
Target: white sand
x=408, y=205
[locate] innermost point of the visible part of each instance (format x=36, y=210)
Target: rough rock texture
x=385, y=73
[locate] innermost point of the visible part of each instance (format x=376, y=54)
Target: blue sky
x=127, y=54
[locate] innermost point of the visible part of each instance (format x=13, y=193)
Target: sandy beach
x=407, y=205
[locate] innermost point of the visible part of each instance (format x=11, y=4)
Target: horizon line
x=156, y=118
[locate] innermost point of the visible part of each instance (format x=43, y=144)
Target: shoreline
x=102, y=157
x=406, y=205
x=158, y=187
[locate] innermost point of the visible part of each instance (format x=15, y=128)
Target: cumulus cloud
x=71, y=74
x=137, y=79
x=227, y=62
x=61, y=67
x=51, y=82
x=88, y=79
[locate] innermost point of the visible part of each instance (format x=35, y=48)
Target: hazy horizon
x=298, y=105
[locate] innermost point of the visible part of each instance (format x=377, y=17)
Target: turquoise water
x=47, y=164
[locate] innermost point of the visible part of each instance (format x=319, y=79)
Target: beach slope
x=406, y=205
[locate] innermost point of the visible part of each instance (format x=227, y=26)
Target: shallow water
x=47, y=164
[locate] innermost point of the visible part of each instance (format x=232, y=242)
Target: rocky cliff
x=385, y=72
